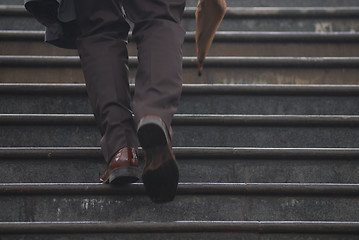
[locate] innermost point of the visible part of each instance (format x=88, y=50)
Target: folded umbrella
x=209, y=16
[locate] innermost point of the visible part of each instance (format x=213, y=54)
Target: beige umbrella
x=209, y=15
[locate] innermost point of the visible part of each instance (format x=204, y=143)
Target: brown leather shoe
x=160, y=175
x=123, y=168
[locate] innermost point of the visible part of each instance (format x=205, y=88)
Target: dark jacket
x=59, y=18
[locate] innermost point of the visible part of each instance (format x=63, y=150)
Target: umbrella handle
x=200, y=68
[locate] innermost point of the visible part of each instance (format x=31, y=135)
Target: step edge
x=180, y=227
x=324, y=190
x=222, y=36
x=183, y=153
x=271, y=89
x=194, y=120
x=238, y=12
x=278, y=12
x=191, y=62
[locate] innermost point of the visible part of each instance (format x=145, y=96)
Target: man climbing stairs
x=266, y=140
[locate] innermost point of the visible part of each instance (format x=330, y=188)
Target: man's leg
x=159, y=39
x=104, y=60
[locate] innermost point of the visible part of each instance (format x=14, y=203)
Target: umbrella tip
x=200, y=68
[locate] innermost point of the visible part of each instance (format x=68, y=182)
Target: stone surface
x=244, y=102
x=122, y=208
x=218, y=205
x=199, y=136
x=262, y=170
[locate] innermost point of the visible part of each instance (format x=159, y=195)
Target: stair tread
x=181, y=226
x=239, y=11
x=296, y=70
x=184, y=152
x=311, y=62
x=313, y=189
x=193, y=88
x=193, y=119
x=235, y=36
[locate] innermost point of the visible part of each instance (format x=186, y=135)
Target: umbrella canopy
x=209, y=15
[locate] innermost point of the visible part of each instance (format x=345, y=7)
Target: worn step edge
x=223, y=36
x=316, y=227
x=191, y=62
x=13, y=10
x=268, y=89
x=312, y=189
x=275, y=12
x=182, y=153
x=194, y=120
x=239, y=12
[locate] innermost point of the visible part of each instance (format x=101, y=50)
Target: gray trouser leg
x=104, y=60
x=159, y=39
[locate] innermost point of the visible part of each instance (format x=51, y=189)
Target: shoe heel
x=152, y=132
x=160, y=176
x=124, y=175
x=161, y=184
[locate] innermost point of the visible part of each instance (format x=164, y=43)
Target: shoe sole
x=123, y=175
x=160, y=175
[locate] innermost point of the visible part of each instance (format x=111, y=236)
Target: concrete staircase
x=266, y=140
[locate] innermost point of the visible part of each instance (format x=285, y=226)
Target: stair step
x=253, y=3
x=15, y=17
x=295, y=62
x=185, y=153
x=314, y=19
x=300, y=70
x=283, y=3
x=199, y=164
x=194, y=119
x=54, y=189
x=233, y=43
x=243, y=202
x=191, y=130
x=240, y=12
x=221, y=36
x=181, y=227
x=318, y=19
x=196, y=98
x=300, y=230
